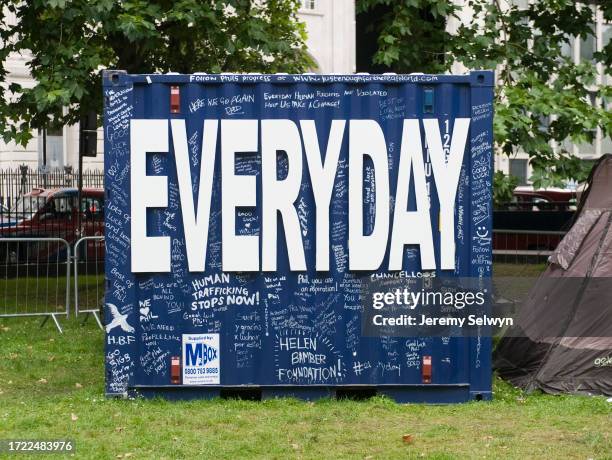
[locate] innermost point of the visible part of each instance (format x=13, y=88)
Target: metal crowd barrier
x=32, y=271
x=31, y=278
x=524, y=246
x=91, y=278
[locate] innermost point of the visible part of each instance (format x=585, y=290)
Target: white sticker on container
x=201, y=359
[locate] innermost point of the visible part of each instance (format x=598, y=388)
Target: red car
x=51, y=213
x=550, y=199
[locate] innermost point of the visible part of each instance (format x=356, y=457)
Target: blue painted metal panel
x=148, y=313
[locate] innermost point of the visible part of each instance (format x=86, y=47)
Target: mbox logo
x=202, y=359
x=199, y=354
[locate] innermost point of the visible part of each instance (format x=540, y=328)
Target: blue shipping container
x=245, y=214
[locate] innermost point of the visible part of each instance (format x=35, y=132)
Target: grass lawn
x=51, y=386
x=518, y=270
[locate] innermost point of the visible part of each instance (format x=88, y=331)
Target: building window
x=606, y=34
x=521, y=4
x=588, y=46
x=309, y=5
x=518, y=169
x=53, y=157
x=568, y=47
x=583, y=49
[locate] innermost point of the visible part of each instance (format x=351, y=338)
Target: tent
x=562, y=338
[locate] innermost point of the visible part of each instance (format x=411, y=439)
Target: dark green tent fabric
x=562, y=338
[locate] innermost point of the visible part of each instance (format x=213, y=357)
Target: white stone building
x=580, y=50
x=331, y=34
x=331, y=42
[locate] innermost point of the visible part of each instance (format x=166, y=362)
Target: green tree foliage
x=411, y=33
x=70, y=42
x=503, y=188
x=542, y=100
